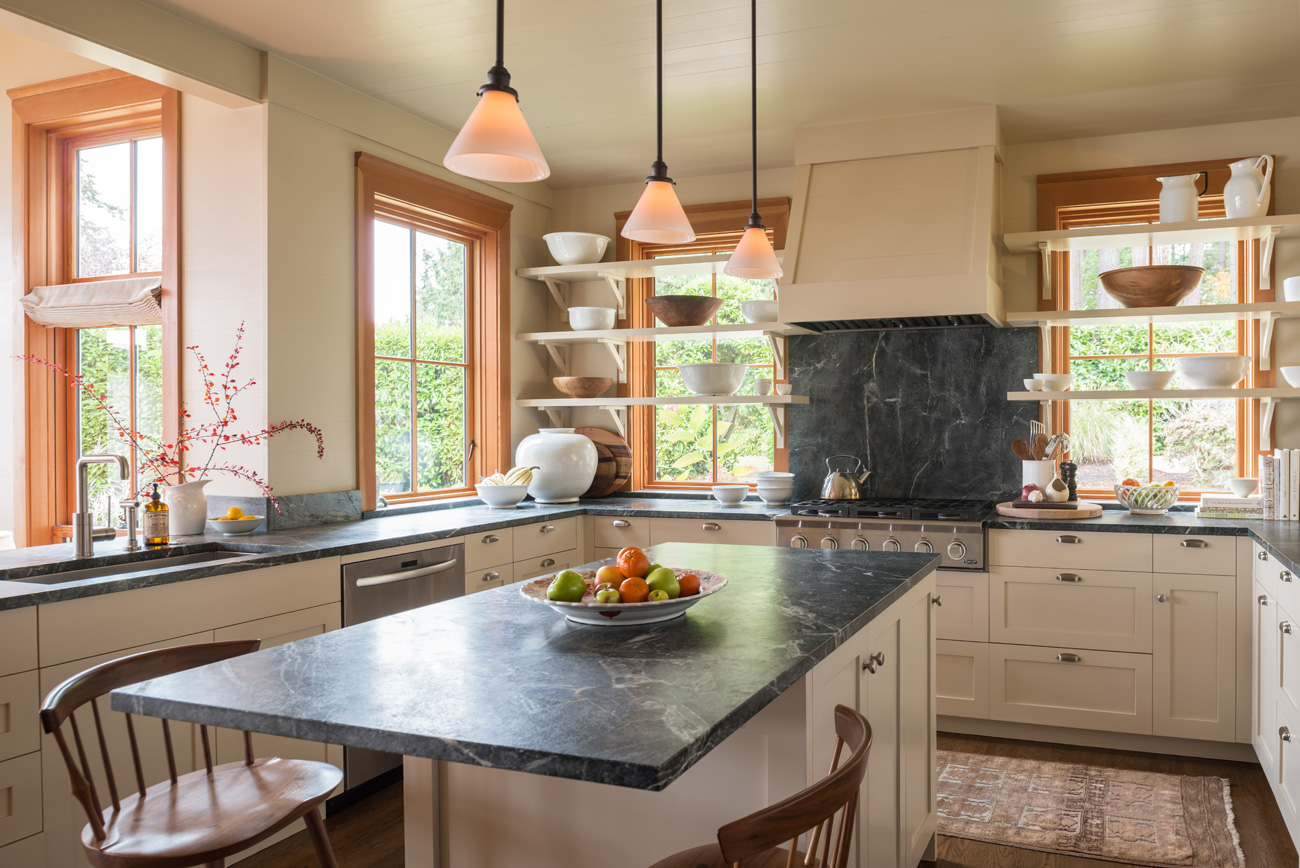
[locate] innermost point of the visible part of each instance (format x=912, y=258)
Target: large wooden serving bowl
x=683, y=310
x=583, y=387
x=1151, y=285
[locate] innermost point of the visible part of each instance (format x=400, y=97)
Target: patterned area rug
x=1140, y=818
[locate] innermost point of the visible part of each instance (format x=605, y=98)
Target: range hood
x=893, y=223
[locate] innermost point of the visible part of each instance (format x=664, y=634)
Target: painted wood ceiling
x=585, y=68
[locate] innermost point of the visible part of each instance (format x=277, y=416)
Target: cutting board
x=613, y=463
x=1083, y=510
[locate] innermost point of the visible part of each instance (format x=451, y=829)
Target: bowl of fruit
x=505, y=490
x=235, y=522
x=1152, y=499
x=630, y=591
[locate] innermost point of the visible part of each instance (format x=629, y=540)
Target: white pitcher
x=1247, y=192
x=1178, y=197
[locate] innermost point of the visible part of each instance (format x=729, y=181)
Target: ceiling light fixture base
x=499, y=79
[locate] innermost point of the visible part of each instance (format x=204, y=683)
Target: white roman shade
x=96, y=304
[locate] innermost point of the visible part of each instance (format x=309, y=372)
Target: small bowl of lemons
x=235, y=522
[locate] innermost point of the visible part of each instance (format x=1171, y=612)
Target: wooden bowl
x=582, y=387
x=683, y=310
x=1151, y=285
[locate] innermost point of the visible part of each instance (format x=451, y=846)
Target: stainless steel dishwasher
x=385, y=586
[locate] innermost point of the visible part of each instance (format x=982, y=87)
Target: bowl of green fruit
x=662, y=594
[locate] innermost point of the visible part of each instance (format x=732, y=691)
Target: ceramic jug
x=1247, y=192
x=1178, y=195
x=188, y=505
x=566, y=464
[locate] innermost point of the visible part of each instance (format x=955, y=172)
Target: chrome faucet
x=84, y=532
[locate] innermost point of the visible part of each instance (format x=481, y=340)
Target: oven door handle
x=390, y=578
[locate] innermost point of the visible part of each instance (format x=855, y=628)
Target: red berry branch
x=164, y=461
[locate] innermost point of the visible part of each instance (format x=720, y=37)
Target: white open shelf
x=554, y=408
x=1266, y=229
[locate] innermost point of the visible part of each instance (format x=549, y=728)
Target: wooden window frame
x=1115, y=196
x=46, y=117
x=384, y=190
x=715, y=224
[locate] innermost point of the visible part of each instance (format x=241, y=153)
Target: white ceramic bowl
x=576, y=248
x=237, y=526
x=1243, y=486
x=1055, y=382
x=1213, y=372
x=759, y=310
x=713, y=378
x=590, y=319
x=783, y=388
x=1291, y=373
x=1145, y=380
x=501, y=496
x=1034, y=385
x=613, y=614
x=775, y=486
x=1291, y=289
x=730, y=495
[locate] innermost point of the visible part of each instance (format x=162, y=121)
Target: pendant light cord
x=659, y=80
x=501, y=33
x=498, y=75
x=753, y=105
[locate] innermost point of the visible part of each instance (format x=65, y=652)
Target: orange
x=690, y=585
x=1130, y=481
x=633, y=563
x=634, y=590
x=609, y=575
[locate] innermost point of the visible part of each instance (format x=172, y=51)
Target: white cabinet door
x=881, y=823
x=962, y=678
x=1264, y=681
x=964, y=614
x=917, y=717
x=1194, y=657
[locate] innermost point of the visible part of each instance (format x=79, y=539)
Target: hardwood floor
x=369, y=834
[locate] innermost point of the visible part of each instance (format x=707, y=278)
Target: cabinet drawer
x=487, y=549
x=20, y=797
x=548, y=537
x=1198, y=555
x=1102, y=610
x=1265, y=569
x=17, y=640
x=547, y=564
x=1285, y=587
x=964, y=614
x=705, y=530
x=492, y=577
x=962, y=678
x=1080, y=688
x=1288, y=762
x=20, y=700
x=617, y=532
x=1071, y=550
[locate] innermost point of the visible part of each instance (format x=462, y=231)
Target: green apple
x=567, y=587
x=608, y=594
x=658, y=596
x=664, y=579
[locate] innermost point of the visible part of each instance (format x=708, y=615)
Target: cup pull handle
x=1194, y=544
x=491, y=577
x=1069, y=577
x=546, y=528
x=491, y=538
x=620, y=523
x=710, y=525
x=1066, y=657
x=548, y=563
x=1069, y=539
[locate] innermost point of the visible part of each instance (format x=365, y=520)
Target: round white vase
x=566, y=464
x=187, y=507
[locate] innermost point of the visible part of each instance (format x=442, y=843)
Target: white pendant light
x=754, y=257
x=658, y=217
x=495, y=144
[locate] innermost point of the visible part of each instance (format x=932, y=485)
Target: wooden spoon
x=1040, y=446
x=1020, y=446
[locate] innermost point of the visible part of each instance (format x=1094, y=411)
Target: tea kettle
x=844, y=484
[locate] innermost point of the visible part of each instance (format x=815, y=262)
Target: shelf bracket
x=1266, y=256
x=1266, y=323
x=1045, y=342
x=560, y=292
x=778, y=355
x=618, y=286
x=1045, y=262
x=619, y=415
x=558, y=356
x=1267, y=406
x=617, y=351
x=556, y=415
x=779, y=418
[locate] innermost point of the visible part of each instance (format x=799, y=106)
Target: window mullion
x=411, y=419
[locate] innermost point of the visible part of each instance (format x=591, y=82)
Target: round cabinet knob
x=956, y=550
x=1285, y=733
x=923, y=546
x=799, y=541
x=1285, y=576
x=830, y=542
x=937, y=601
x=891, y=545
x=860, y=544
x=1161, y=598
x=1263, y=556
x=1285, y=627
x=874, y=661
x=1263, y=600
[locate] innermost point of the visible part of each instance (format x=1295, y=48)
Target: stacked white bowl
x=774, y=487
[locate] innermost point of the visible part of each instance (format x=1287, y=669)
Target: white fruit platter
x=606, y=614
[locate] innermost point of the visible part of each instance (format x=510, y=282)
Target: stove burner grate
x=899, y=508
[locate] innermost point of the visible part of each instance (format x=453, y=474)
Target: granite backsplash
x=925, y=409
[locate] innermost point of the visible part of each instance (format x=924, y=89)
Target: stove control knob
x=860, y=544
x=956, y=550
x=830, y=542
x=923, y=546
x=891, y=545
x=799, y=541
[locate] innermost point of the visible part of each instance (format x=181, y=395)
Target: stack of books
x=1228, y=506
x=1279, y=484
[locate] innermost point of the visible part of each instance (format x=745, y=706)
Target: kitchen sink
x=143, y=563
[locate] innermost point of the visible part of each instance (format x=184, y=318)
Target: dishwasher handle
x=390, y=578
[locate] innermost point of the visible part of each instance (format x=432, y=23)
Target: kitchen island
x=535, y=741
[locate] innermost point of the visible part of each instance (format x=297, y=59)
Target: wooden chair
x=754, y=841
x=198, y=818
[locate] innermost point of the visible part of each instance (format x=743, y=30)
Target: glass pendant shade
x=658, y=217
x=753, y=257
x=495, y=144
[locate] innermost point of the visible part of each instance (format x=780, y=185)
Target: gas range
x=953, y=529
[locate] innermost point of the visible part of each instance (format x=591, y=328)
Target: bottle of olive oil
x=156, y=532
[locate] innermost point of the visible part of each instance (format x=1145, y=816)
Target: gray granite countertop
x=499, y=681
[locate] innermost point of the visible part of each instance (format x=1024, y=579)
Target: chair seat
x=203, y=818
x=710, y=856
